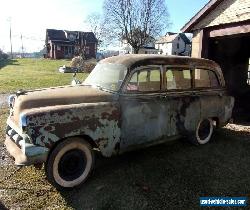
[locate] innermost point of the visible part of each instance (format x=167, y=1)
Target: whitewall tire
x=70, y=163
x=203, y=132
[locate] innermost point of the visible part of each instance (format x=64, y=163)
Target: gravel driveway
x=4, y=157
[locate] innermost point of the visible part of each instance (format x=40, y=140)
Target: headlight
x=22, y=120
x=11, y=101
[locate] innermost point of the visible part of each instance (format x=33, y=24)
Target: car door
x=144, y=113
x=184, y=104
x=210, y=92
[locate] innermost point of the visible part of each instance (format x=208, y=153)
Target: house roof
x=54, y=34
x=167, y=39
x=89, y=36
x=184, y=38
x=60, y=35
x=211, y=5
x=170, y=33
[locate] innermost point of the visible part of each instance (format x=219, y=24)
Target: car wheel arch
x=87, y=138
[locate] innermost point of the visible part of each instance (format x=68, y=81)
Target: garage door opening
x=233, y=55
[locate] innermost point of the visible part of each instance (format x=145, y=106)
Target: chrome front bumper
x=20, y=147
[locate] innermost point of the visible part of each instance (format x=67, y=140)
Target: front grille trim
x=14, y=136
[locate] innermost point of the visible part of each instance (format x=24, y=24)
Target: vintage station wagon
x=126, y=102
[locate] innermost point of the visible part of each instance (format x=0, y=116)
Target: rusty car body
x=126, y=102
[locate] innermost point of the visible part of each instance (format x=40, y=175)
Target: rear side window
x=205, y=78
x=178, y=79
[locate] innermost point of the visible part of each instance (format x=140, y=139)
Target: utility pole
x=9, y=19
x=22, y=45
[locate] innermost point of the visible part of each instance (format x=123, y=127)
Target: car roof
x=135, y=60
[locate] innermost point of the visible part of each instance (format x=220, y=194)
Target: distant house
x=148, y=48
x=66, y=44
x=174, y=44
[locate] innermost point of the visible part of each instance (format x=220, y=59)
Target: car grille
x=14, y=136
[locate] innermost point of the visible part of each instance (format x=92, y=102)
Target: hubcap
x=72, y=165
x=204, y=129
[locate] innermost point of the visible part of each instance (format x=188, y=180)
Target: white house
x=174, y=44
x=126, y=48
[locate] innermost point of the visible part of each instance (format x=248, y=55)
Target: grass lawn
x=31, y=73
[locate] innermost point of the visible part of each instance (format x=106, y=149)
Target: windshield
x=107, y=75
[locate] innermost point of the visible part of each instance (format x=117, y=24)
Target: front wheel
x=70, y=163
x=203, y=132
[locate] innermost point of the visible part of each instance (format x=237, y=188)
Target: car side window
x=178, y=79
x=145, y=80
x=213, y=79
x=205, y=78
x=142, y=77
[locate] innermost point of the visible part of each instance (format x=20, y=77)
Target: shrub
x=3, y=55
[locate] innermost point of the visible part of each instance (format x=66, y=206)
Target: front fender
x=100, y=121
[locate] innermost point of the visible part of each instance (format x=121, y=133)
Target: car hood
x=64, y=95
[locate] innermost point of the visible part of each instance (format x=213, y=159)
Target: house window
x=71, y=37
x=178, y=38
x=248, y=72
x=87, y=50
x=178, y=45
x=66, y=50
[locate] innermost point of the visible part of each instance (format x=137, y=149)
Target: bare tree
x=136, y=21
x=93, y=21
x=96, y=24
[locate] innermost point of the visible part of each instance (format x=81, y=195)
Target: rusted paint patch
x=100, y=121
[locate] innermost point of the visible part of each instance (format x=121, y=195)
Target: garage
x=221, y=32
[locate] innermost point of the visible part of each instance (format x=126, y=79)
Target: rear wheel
x=70, y=163
x=203, y=132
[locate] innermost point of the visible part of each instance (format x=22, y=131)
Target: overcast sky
x=31, y=18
